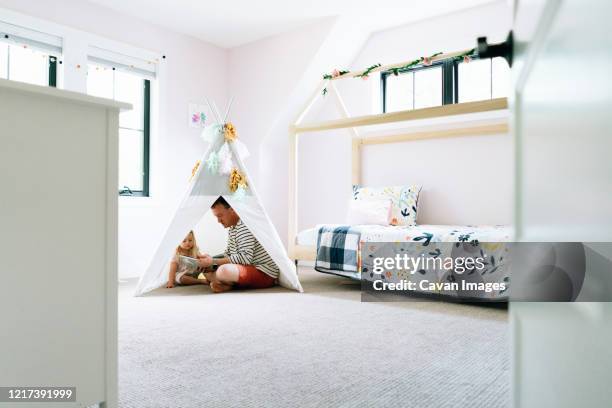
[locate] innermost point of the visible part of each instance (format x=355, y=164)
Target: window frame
x=52, y=62
x=125, y=191
x=450, y=80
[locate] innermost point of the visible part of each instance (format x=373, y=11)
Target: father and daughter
x=244, y=264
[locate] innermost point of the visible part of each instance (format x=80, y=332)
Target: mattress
x=440, y=233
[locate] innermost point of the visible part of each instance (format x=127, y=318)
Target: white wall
x=262, y=76
x=472, y=186
x=192, y=69
x=467, y=180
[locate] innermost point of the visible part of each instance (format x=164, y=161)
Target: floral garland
x=426, y=61
x=365, y=74
x=335, y=74
x=466, y=56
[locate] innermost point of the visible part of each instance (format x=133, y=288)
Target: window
x=24, y=64
x=107, y=81
x=427, y=87
x=483, y=79
x=445, y=82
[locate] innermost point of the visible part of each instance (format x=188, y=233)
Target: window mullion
x=146, y=136
x=447, y=82
x=52, y=71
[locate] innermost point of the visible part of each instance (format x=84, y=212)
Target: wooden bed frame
x=307, y=252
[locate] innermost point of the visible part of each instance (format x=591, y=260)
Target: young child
x=180, y=271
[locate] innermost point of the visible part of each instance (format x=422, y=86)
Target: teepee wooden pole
x=212, y=111
x=229, y=106
x=217, y=112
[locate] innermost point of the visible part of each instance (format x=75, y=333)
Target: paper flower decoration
x=194, y=170
x=426, y=61
x=236, y=179
x=211, y=133
x=212, y=163
x=225, y=159
x=229, y=132
x=240, y=193
x=466, y=58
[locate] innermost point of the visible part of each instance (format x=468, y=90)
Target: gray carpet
x=186, y=347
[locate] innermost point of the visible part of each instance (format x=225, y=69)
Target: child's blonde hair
x=193, y=252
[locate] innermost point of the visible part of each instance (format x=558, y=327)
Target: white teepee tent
x=221, y=173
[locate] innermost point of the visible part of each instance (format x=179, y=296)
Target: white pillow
x=361, y=212
x=404, y=201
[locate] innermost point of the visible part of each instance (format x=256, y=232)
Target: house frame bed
x=307, y=252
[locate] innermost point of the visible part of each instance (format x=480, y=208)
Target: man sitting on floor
x=245, y=264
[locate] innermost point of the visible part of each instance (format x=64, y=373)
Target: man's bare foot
x=219, y=287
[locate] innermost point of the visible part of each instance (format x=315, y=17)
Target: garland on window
x=425, y=61
x=466, y=56
x=365, y=74
x=335, y=74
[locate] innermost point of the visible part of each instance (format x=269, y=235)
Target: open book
x=189, y=262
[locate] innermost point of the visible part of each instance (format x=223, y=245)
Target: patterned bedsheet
x=339, y=248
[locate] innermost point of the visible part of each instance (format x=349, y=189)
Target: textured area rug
x=186, y=347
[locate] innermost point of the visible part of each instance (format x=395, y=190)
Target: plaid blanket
x=338, y=251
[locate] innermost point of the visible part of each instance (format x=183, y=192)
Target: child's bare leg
x=190, y=280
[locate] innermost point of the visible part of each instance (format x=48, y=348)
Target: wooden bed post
x=356, y=139
x=292, y=226
x=356, y=161
x=292, y=188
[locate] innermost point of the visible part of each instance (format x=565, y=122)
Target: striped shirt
x=244, y=249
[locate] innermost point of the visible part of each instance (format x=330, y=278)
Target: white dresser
x=58, y=242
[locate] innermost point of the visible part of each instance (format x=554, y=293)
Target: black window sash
x=450, y=80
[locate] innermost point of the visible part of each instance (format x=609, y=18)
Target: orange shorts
x=251, y=277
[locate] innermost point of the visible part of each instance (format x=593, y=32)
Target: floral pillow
x=404, y=201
